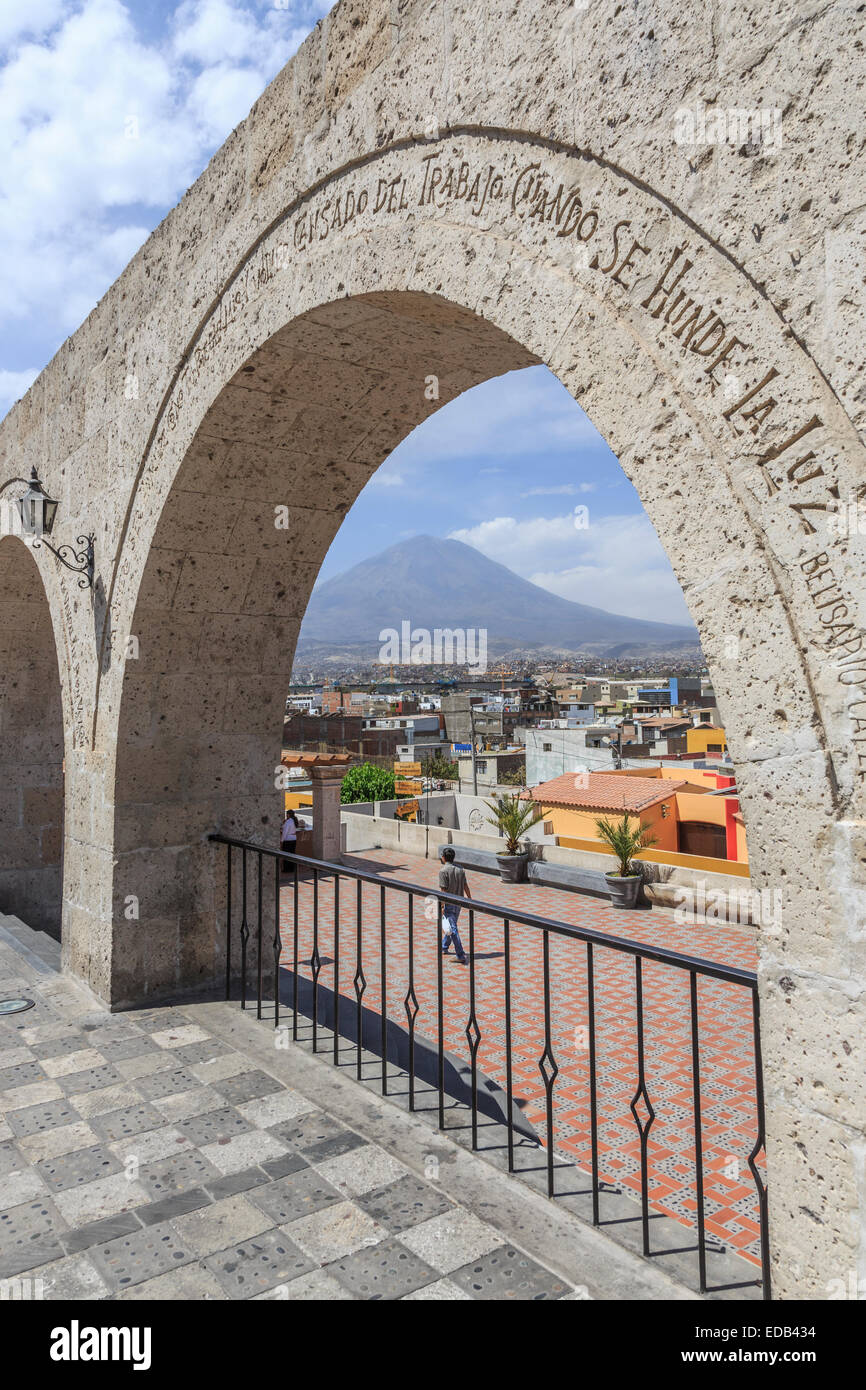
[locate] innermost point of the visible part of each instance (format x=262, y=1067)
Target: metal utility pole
x=472, y=735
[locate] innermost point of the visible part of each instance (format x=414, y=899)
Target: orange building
x=573, y=802
x=690, y=812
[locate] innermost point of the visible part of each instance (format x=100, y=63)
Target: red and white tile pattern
x=729, y=1117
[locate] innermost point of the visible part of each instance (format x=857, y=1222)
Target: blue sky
x=108, y=111
x=504, y=468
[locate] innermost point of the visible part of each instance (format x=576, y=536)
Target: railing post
x=548, y=1057
x=245, y=930
x=410, y=1003
x=509, y=1060
x=259, y=962
x=228, y=921
x=337, y=970
x=593, y=1092
x=295, y=956
x=315, y=958
x=473, y=1032
x=383, y=964
x=278, y=943
x=440, y=1015
x=699, y=1142
x=642, y=1093
x=360, y=982
x=547, y=1063
x=763, y=1210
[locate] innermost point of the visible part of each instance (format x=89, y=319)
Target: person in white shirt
x=289, y=840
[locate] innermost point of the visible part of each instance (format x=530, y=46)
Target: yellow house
x=707, y=739
x=573, y=802
x=674, y=805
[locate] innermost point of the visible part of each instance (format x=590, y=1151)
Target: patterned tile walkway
x=727, y=1060
x=142, y=1157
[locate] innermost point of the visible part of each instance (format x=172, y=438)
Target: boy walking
x=452, y=879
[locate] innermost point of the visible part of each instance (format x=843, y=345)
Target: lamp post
x=36, y=514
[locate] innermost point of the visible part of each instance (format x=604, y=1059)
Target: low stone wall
x=708, y=896
x=364, y=832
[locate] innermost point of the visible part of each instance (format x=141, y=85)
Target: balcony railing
x=360, y=950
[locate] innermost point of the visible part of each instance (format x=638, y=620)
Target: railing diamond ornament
x=389, y=1030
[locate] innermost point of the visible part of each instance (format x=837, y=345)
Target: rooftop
x=661, y=722
x=294, y=758
x=605, y=791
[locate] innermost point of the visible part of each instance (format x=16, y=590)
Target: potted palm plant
x=625, y=841
x=513, y=818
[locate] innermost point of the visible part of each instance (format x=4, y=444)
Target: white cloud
x=382, y=479
x=19, y=21
x=523, y=412
x=561, y=490
x=13, y=385
x=615, y=562
x=103, y=132
x=213, y=31
x=220, y=97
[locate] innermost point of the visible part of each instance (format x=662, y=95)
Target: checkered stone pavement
x=729, y=1119
x=162, y=1163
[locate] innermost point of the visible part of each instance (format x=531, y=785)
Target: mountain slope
x=434, y=583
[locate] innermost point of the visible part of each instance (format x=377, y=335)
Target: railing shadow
x=491, y=1099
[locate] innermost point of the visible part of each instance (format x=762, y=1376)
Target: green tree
x=440, y=768
x=516, y=777
x=367, y=783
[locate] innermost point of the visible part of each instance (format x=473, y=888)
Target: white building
x=588, y=748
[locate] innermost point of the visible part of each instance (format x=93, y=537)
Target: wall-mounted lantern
x=36, y=514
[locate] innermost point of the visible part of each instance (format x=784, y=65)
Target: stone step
x=39, y=949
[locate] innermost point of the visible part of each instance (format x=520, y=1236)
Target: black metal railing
x=692, y=967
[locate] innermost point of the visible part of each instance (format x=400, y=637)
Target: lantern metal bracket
x=84, y=558
x=79, y=561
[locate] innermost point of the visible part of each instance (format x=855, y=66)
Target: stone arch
x=639, y=315
x=748, y=492
x=31, y=747
x=236, y=551
x=217, y=614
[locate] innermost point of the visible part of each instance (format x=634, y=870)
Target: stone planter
x=512, y=867
x=624, y=892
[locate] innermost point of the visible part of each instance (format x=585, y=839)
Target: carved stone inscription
x=797, y=473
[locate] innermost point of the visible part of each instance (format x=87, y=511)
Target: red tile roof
x=605, y=791
x=291, y=758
